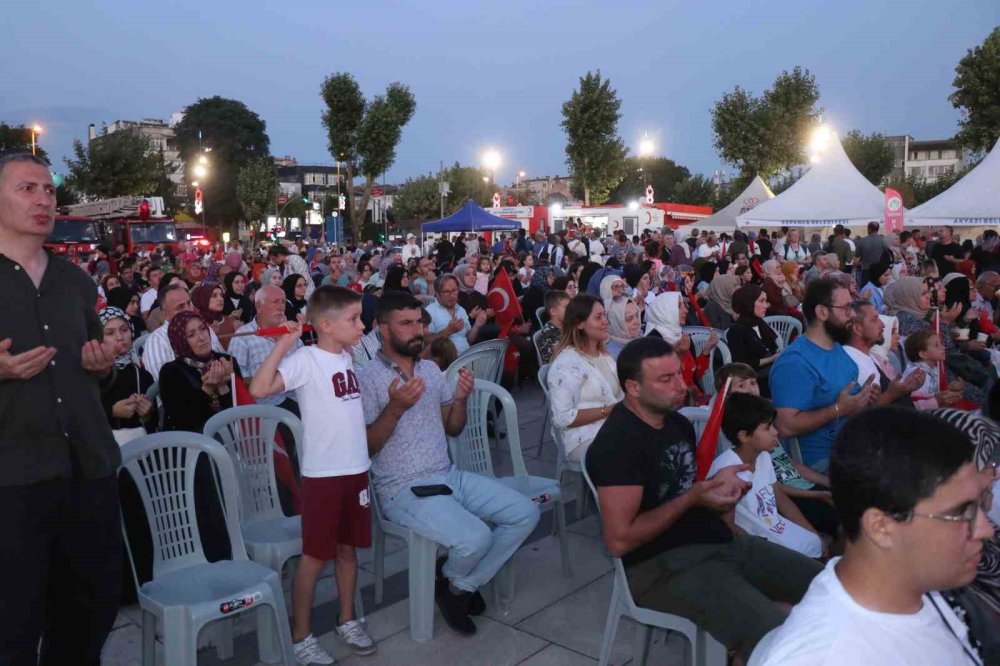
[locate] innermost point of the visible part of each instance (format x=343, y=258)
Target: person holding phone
x=410, y=411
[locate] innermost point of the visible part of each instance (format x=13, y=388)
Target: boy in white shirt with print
x=336, y=506
x=765, y=511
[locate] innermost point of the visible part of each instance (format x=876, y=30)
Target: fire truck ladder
x=116, y=207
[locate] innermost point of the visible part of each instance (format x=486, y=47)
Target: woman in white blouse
x=583, y=381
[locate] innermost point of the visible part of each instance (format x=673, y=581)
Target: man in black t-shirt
x=946, y=252
x=680, y=555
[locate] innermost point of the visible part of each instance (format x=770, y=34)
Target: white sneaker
x=309, y=651
x=355, y=634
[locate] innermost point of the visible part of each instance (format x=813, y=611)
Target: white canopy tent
x=724, y=220
x=974, y=201
x=832, y=192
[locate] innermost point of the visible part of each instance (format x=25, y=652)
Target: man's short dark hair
x=818, y=292
x=392, y=301
x=744, y=413
x=890, y=458
x=22, y=157
x=634, y=353
x=277, y=249
x=858, y=310
x=905, y=236
x=872, y=227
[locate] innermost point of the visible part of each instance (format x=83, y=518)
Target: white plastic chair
x=538, y=316
x=784, y=326
x=563, y=464
x=139, y=344
x=698, y=341
x=186, y=591
x=706, y=330
x=471, y=453
x=422, y=573
x=484, y=361
x=703, y=651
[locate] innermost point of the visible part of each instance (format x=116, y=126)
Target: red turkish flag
x=503, y=301
x=705, y=453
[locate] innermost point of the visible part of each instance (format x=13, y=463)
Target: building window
x=916, y=171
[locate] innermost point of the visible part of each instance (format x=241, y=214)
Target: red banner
x=707, y=445
x=893, y=211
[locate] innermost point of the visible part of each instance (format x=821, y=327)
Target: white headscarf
x=882, y=349
x=664, y=316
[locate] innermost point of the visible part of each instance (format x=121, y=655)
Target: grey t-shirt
x=418, y=447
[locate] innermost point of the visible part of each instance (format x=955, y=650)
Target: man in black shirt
x=681, y=551
x=946, y=252
x=61, y=549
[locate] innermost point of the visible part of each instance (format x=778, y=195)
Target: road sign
x=282, y=199
x=377, y=192
x=342, y=202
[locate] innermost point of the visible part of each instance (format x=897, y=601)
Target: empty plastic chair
x=186, y=591
x=703, y=650
x=784, y=326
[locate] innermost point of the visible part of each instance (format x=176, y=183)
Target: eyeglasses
x=846, y=307
x=968, y=514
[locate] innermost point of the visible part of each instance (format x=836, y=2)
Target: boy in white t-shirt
x=336, y=505
x=765, y=511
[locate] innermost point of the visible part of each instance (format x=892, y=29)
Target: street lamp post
x=35, y=131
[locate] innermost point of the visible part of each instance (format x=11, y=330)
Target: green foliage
x=763, y=135
x=696, y=190
x=257, y=188
x=871, y=155
x=662, y=173
x=364, y=134
x=594, y=151
x=785, y=180
x=417, y=199
x=17, y=139
x=977, y=95
x=236, y=135
x=116, y=164
x=467, y=183
x=66, y=196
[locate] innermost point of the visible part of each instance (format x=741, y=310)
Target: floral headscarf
x=106, y=315
x=540, y=278
x=177, y=334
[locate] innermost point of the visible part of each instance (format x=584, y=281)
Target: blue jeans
x=458, y=521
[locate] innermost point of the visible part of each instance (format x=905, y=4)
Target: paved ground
x=552, y=620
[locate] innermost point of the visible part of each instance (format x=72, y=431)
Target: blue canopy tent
x=470, y=217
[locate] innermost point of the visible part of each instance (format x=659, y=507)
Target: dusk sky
x=484, y=74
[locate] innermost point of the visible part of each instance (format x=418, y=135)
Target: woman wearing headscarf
x=534, y=295
x=612, y=288
x=773, y=283
x=750, y=339
x=126, y=406
x=294, y=287
x=958, y=293
x=195, y=385
x=907, y=298
x=875, y=278
x=664, y=318
x=237, y=302
x=624, y=324
x=886, y=353
x=719, y=307
x=127, y=301
x=583, y=382
x=210, y=302
x=980, y=599
x=396, y=279
x=474, y=302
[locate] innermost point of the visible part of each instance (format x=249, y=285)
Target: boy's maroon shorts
x=335, y=510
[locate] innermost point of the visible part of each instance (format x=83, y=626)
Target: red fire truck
x=74, y=237
x=136, y=223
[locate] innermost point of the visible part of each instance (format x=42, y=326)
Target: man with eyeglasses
x=813, y=382
x=912, y=504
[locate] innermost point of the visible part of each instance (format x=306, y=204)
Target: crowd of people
x=165, y=338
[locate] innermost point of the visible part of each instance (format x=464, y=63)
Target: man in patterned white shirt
x=251, y=350
x=157, y=351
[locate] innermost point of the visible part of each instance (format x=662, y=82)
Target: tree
x=417, y=199
x=364, y=134
x=871, y=155
x=977, y=95
x=697, y=190
x=257, y=188
x=662, y=173
x=114, y=165
x=17, y=139
x=595, y=153
x=763, y=135
x=235, y=135
x=467, y=183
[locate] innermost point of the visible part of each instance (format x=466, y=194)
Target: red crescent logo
x=503, y=295
x=649, y=217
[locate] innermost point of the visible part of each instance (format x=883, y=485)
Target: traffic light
x=342, y=202
x=305, y=199
x=381, y=236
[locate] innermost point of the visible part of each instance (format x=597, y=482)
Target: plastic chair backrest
x=535, y=337
x=707, y=330
x=139, y=344
x=163, y=468
x=471, y=449
x=784, y=325
x=543, y=381
x=538, y=315
x=248, y=435
x=698, y=340
x=698, y=416
x=484, y=360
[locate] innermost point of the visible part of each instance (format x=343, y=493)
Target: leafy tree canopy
x=871, y=155
x=595, y=153
x=977, y=95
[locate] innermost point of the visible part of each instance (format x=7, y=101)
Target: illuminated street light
x=202, y=160
x=556, y=208
x=491, y=159
x=200, y=170
x=646, y=146
x=633, y=205
x=35, y=131
x=486, y=179
x=820, y=138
